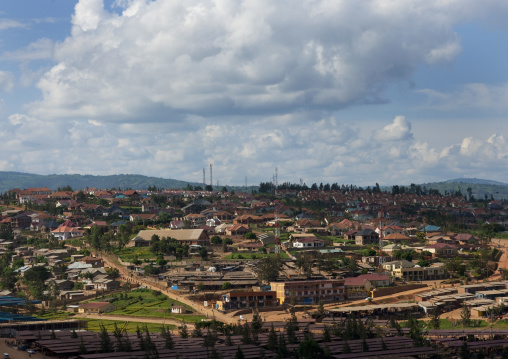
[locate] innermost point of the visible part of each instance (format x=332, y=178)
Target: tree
x=105, y=344
x=8, y=278
x=435, y=323
x=269, y=268
x=113, y=272
x=183, y=331
x=250, y=235
x=239, y=354
x=82, y=347
x=304, y=262
x=310, y=349
x=465, y=315
x=203, y=253
x=216, y=240
x=34, y=278
x=272, y=339
x=453, y=266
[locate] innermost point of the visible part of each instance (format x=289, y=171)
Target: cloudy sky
x=387, y=91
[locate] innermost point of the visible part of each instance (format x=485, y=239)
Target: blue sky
x=382, y=91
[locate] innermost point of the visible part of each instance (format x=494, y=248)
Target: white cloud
x=9, y=24
x=40, y=49
x=159, y=59
x=475, y=95
x=6, y=81
x=399, y=129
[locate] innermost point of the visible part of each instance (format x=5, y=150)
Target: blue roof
x=8, y=301
x=431, y=228
x=9, y=317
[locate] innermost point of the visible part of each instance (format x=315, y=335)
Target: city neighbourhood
x=334, y=271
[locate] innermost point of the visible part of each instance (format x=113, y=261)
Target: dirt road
x=127, y=276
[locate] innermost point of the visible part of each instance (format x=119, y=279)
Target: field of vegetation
x=254, y=255
x=130, y=327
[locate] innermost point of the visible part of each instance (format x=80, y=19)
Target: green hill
x=10, y=180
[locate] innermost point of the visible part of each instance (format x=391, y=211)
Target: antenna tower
x=381, y=258
x=211, y=176
x=204, y=179
x=245, y=183
x=277, y=231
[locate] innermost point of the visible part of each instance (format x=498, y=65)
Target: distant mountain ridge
x=476, y=181
x=11, y=180
x=479, y=187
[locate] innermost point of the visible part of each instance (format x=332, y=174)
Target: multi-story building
x=310, y=291
x=237, y=300
x=412, y=272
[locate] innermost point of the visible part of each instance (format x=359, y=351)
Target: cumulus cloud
x=210, y=58
x=398, y=130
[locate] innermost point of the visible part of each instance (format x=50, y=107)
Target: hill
x=476, y=181
x=10, y=180
x=479, y=187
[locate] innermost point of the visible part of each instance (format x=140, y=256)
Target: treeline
x=269, y=187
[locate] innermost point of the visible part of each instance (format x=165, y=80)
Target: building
x=184, y=236
x=413, y=272
x=357, y=288
x=306, y=240
x=310, y=291
x=238, y=300
x=96, y=307
x=366, y=237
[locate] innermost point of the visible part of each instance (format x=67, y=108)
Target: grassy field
x=144, y=303
x=130, y=327
x=130, y=253
x=253, y=255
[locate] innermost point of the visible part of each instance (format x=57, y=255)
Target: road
x=126, y=275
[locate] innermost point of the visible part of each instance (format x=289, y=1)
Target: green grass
x=448, y=324
x=143, y=303
x=131, y=327
x=56, y=316
x=253, y=255
x=131, y=253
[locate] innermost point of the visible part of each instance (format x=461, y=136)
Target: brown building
x=237, y=300
x=310, y=291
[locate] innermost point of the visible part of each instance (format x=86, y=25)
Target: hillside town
x=287, y=271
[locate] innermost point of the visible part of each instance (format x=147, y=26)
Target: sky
x=353, y=92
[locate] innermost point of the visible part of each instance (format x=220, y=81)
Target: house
x=176, y=224
x=64, y=232
x=96, y=308
x=366, y=236
x=178, y=309
x=357, y=288
x=195, y=219
x=238, y=230
x=397, y=238
x=213, y=222
x=307, y=240
x=142, y=217
x=441, y=249
x=377, y=280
